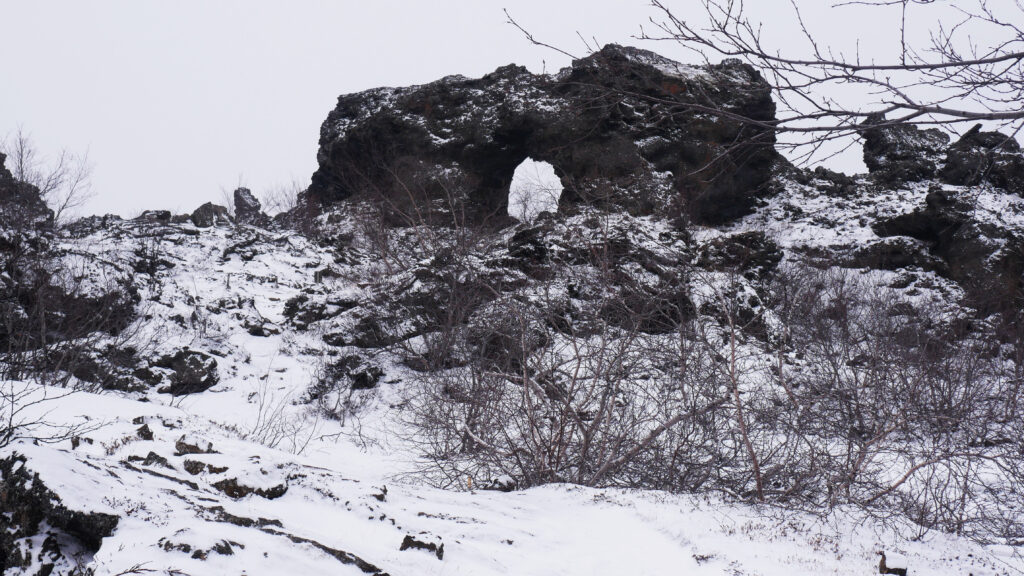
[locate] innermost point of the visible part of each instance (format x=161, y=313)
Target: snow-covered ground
x=218, y=490
x=342, y=502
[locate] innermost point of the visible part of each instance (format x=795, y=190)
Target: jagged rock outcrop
x=21, y=205
x=211, y=214
x=985, y=260
x=248, y=209
x=623, y=127
x=985, y=157
x=902, y=153
x=30, y=511
x=23, y=215
x=947, y=235
x=895, y=154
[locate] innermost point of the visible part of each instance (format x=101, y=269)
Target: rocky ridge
x=623, y=127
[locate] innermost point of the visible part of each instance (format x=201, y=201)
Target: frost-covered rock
x=191, y=372
x=248, y=209
x=985, y=157
x=210, y=214
x=981, y=253
x=21, y=205
x=896, y=154
x=37, y=531
x=622, y=127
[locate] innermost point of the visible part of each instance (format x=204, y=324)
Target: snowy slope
x=327, y=497
x=335, y=510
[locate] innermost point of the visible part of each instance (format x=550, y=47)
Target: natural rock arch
x=625, y=127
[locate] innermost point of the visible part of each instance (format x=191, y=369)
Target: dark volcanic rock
x=987, y=262
x=21, y=205
x=985, y=156
x=210, y=214
x=901, y=153
x=154, y=216
x=623, y=127
x=193, y=372
x=248, y=209
x=410, y=542
x=753, y=253
x=896, y=253
x=234, y=489
x=28, y=509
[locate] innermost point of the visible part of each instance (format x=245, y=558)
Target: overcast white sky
x=175, y=101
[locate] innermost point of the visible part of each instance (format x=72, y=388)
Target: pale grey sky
x=175, y=101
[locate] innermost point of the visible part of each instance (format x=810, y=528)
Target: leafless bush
x=815, y=387
x=281, y=197
x=952, y=65
x=63, y=181
x=23, y=409
x=897, y=410
x=833, y=391
x=277, y=425
x=547, y=394
x=64, y=316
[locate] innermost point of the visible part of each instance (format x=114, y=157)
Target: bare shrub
x=63, y=181
x=277, y=423
x=606, y=364
x=281, y=197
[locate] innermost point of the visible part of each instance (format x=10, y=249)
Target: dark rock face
x=985, y=157
x=623, y=127
x=248, y=209
x=27, y=508
x=21, y=205
x=155, y=216
x=210, y=214
x=752, y=253
x=193, y=372
x=902, y=153
x=895, y=253
x=986, y=262
x=32, y=292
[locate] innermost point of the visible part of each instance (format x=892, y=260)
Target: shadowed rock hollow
x=623, y=127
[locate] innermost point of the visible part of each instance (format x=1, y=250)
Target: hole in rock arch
x=535, y=188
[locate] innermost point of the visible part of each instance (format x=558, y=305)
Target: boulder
x=211, y=214
x=193, y=372
x=154, y=216
x=898, y=153
x=248, y=209
x=985, y=157
x=622, y=127
x=412, y=543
